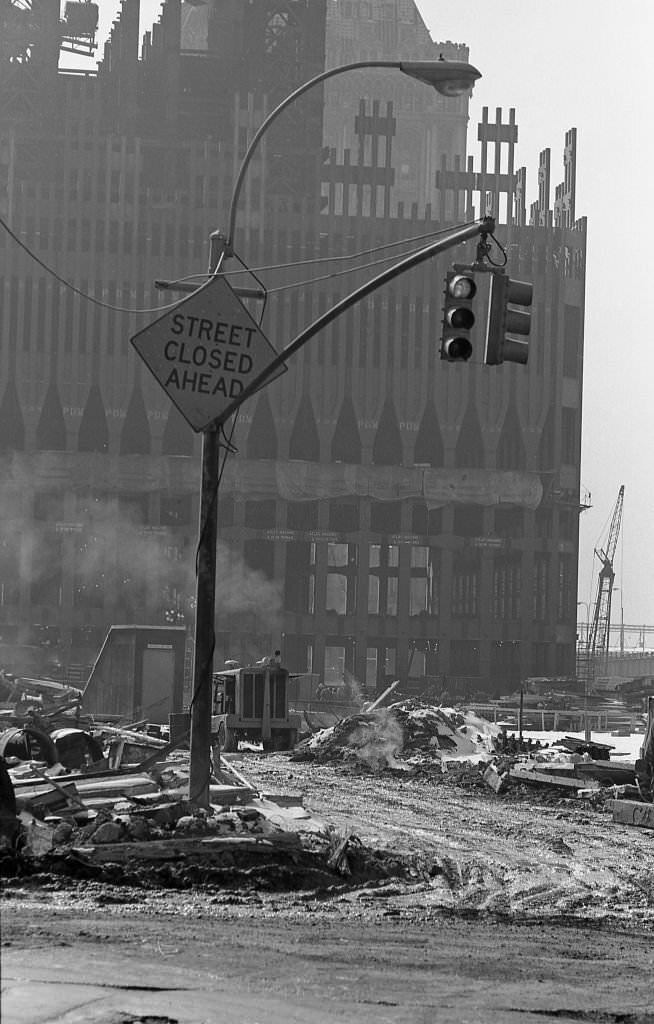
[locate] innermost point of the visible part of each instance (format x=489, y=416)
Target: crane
x=596, y=645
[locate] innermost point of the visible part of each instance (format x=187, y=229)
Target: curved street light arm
x=425, y=71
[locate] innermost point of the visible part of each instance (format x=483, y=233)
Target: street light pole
x=451, y=78
x=205, y=597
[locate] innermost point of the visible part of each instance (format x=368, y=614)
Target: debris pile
x=406, y=736
x=126, y=818
x=39, y=699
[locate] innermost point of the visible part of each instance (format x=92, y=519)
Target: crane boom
x=595, y=649
x=600, y=627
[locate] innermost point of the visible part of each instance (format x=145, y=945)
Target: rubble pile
x=408, y=735
x=127, y=819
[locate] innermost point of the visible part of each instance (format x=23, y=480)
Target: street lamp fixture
x=449, y=77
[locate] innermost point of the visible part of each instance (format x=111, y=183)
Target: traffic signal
x=502, y=321
x=458, y=315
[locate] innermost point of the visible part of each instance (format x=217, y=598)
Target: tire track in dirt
x=482, y=851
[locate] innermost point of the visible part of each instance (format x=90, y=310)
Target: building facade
x=385, y=514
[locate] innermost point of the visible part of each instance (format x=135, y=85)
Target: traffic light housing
x=458, y=315
x=502, y=321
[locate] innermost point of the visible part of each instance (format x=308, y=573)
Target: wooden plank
x=72, y=798
x=47, y=798
x=161, y=754
x=225, y=762
x=117, y=786
x=227, y=795
x=632, y=812
x=174, y=849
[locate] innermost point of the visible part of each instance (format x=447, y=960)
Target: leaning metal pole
x=205, y=599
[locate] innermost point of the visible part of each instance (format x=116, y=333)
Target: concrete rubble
x=425, y=740
x=405, y=735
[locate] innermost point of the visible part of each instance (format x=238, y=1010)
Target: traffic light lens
x=458, y=350
x=462, y=318
x=462, y=287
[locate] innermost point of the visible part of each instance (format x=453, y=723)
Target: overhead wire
x=245, y=270
x=334, y=258
x=67, y=284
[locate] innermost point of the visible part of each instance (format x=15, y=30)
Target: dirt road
x=518, y=854
x=512, y=910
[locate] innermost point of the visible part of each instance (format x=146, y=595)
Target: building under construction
x=382, y=514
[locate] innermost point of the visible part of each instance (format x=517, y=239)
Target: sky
x=582, y=64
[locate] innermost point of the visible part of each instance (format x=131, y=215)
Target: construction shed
x=138, y=674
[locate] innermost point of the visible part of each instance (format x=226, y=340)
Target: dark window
x=260, y=515
x=302, y=515
x=465, y=590
x=419, y=519
x=540, y=588
x=464, y=658
x=507, y=581
x=259, y=555
x=385, y=516
x=435, y=521
x=298, y=572
x=544, y=524
x=566, y=604
x=383, y=579
x=468, y=521
x=343, y=517
x=509, y=522
x=568, y=524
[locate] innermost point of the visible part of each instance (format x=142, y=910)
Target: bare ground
x=508, y=908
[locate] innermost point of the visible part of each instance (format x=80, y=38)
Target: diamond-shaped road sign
x=205, y=351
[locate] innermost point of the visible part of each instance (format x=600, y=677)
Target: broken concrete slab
x=520, y=773
x=632, y=812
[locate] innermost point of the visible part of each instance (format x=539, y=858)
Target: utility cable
x=190, y=277
x=327, y=259
x=74, y=288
